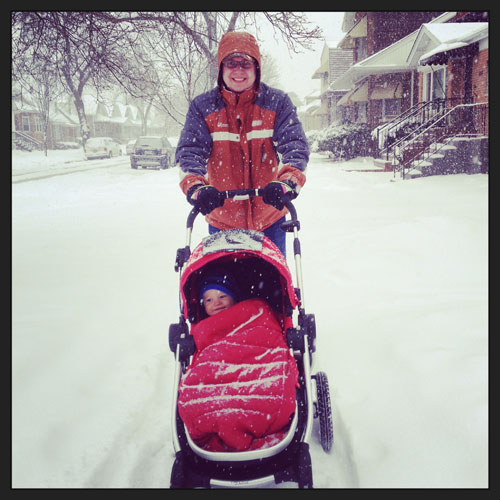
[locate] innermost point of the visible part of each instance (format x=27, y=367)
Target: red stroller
x=262, y=272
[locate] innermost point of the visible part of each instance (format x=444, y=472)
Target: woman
x=231, y=140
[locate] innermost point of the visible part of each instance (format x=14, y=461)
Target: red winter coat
x=239, y=391
x=233, y=141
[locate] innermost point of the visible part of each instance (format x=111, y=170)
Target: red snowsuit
x=239, y=391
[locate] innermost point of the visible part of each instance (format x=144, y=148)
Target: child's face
x=216, y=301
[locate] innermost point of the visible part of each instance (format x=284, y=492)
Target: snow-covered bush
x=345, y=141
x=312, y=139
x=67, y=145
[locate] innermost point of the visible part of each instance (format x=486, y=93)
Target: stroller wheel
x=324, y=411
x=177, y=477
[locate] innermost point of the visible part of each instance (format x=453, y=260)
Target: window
x=25, y=124
x=361, y=112
x=361, y=48
x=391, y=108
x=435, y=85
x=38, y=124
x=438, y=84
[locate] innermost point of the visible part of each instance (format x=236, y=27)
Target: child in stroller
x=272, y=305
x=239, y=391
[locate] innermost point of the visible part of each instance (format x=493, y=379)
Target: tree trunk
x=82, y=118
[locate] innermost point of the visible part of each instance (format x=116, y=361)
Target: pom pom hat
x=238, y=43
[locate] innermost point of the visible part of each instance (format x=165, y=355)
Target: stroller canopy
x=255, y=261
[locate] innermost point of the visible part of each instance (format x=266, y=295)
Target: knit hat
x=238, y=43
x=220, y=280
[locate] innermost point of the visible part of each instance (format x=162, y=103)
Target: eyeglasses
x=244, y=64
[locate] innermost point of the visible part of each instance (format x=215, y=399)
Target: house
x=334, y=62
x=122, y=122
x=28, y=130
x=379, y=80
x=309, y=112
x=421, y=68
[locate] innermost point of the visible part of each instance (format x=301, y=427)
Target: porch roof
x=392, y=59
x=437, y=38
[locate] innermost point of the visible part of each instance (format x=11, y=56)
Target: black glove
x=277, y=193
x=205, y=198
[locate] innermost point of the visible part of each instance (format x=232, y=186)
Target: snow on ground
x=396, y=273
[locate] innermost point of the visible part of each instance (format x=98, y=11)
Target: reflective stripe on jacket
x=233, y=141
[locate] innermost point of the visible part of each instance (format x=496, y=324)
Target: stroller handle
x=292, y=225
x=241, y=194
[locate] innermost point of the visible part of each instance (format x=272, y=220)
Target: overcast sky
x=297, y=69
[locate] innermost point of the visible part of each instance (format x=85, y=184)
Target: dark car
x=152, y=151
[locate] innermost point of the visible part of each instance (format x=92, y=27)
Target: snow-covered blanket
x=239, y=391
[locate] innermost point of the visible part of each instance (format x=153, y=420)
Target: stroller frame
x=286, y=461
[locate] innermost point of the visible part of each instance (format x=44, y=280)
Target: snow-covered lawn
x=396, y=273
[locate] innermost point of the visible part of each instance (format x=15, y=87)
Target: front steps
x=460, y=155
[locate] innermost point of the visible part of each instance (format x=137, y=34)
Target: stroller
x=263, y=273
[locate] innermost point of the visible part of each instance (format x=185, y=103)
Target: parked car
x=102, y=147
x=152, y=151
x=129, y=147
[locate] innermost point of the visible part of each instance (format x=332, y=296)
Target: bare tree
x=201, y=31
x=77, y=46
x=150, y=54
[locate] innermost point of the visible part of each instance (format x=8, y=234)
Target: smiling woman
x=238, y=72
x=234, y=138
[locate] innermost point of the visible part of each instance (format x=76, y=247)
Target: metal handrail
x=421, y=109
x=410, y=142
x=387, y=127
x=27, y=137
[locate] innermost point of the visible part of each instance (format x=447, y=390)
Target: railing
x=463, y=120
x=400, y=129
x=26, y=140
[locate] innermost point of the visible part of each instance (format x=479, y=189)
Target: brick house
x=121, y=122
x=27, y=125
x=385, y=83
x=381, y=85
x=425, y=88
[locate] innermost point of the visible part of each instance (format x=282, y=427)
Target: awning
x=389, y=91
x=359, y=29
x=320, y=71
x=392, y=59
x=344, y=100
x=359, y=94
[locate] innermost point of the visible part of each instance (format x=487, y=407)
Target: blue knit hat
x=220, y=280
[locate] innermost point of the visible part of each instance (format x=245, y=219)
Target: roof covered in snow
x=434, y=38
x=406, y=53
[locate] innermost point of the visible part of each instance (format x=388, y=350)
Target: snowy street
x=396, y=273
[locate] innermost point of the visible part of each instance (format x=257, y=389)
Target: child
x=239, y=391
x=219, y=292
